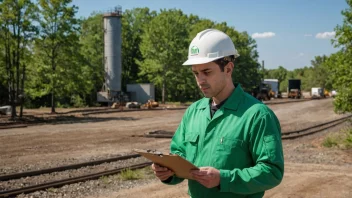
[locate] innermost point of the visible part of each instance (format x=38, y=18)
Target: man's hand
x=161, y=172
x=207, y=176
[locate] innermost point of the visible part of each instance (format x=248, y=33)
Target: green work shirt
x=242, y=140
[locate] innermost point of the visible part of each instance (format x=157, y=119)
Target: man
x=234, y=139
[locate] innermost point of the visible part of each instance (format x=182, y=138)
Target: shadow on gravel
x=82, y=111
x=60, y=119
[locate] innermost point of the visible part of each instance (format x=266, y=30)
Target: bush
x=77, y=101
x=341, y=140
x=330, y=142
x=129, y=174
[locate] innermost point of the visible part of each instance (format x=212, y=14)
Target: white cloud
x=263, y=35
x=301, y=54
x=308, y=35
x=325, y=35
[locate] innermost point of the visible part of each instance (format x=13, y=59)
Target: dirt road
x=311, y=170
x=301, y=180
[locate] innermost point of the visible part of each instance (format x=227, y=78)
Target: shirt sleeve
x=177, y=147
x=267, y=154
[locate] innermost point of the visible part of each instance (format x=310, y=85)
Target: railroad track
x=108, y=110
x=12, y=126
x=313, y=129
x=131, y=110
x=154, y=134
x=60, y=183
x=285, y=101
x=285, y=135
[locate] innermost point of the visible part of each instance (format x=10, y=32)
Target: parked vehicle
x=317, y=92
x=262, y=92
x=294, y=88
x=275, y=87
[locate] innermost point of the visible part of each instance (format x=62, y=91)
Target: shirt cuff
x=225, y=177
x=168, y=180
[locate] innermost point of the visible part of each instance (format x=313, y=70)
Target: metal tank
x=112, y=49
x=112, y=56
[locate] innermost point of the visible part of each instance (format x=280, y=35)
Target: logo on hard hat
x=194, y=50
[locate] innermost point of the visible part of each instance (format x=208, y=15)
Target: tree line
x=333, y=72
x=50, y=57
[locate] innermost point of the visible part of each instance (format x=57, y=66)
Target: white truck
x=274, y=84
x=317, y=92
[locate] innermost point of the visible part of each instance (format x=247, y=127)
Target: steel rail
x=60, y=183
x=285, y=135
x=63, y=168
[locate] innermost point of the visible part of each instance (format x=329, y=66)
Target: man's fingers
x=200, y=179
x=201, y=176
x=156, y=167
x=165, y=177
x=162, y=173
x=200, y=173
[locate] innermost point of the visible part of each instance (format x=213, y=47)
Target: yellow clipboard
x=180, y=166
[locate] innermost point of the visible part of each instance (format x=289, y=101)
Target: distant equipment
x=275, y=87
x=317, y=92
x=294, y=88
x=262, y=91
x=111, y=89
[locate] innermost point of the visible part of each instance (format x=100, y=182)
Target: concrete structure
x=141, y=92
x=112, y=56
x=5, y=110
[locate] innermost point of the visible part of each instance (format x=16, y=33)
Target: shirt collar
x=231, y=103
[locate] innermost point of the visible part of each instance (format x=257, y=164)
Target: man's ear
x=229, y=68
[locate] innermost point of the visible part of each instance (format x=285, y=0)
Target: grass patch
x=144, y=173
x=128, y=174
x=105, y=179
x=51, y=190
x=342, y=140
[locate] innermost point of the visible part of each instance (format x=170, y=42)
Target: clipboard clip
x=155, y=152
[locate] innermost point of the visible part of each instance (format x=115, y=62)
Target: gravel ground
x=104, y=185
x=109, y=135
x=48, y=164
x=29, y=181
x=309, y=149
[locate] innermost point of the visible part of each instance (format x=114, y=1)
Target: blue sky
x=288, y=32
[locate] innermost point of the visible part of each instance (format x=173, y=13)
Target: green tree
x=134, y=22
x=340, y=63
x=92, y=50
x=17, y=29
x=280, y=73
x=58, y=32
x=164, y=48
x=320, y=73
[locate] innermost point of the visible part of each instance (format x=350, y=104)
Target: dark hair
x=222, y=62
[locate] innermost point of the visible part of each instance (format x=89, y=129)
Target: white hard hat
x=210, y=45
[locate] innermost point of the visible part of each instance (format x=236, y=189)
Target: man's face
x=210, y=79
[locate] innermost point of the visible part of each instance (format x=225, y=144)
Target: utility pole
x=263, y=70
